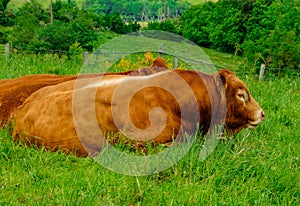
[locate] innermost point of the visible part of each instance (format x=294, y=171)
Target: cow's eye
x=241, y=95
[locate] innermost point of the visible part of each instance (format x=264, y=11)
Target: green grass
x=21, y=64
x=256, y=167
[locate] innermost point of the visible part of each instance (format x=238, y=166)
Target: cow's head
x=242, y=109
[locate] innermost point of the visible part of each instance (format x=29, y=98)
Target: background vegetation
x=262, y=31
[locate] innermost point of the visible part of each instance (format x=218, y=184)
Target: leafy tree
x=167, y=25
x=57, y=37
x=259, y=22
x=267, y=31
x=138, y=10
x=34, y=33
x=3, y=5
x=84, y=25
x=224, y=26
x=133, y=27
x=28, y=20
x=116, y=24
x=6, y=16
x=64, y=11
x=276, y=38
x=33, y=9
x=194, y=24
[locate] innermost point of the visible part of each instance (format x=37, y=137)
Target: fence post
x=86, y=57
x=262, y=72
x=7, y=50
x=175, y=63
x=160, y=50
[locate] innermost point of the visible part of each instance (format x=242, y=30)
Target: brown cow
x=13, y=92
x=76, y=115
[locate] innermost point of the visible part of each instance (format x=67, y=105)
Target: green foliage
x=115, y=23
x=34, y=33
x=263, y=31
x=194, y=24
x=282, y=49
x=34, y=10
x=64, y=11
x=224, y=26
x=167, y=25
x=7, y=18
x=275, y=32
x=3, y=4
x=6, y=15
x=139, y=10
x=133, y=27
x=59, y=36
x=258, y=23
x=214, y=25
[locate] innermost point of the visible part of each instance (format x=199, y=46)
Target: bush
x=167, y=25
x=276, y=36
x=35, y=34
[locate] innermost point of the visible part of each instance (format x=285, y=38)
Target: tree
x=6, y=16
x=276, y=36
x=28, y=20
x=3, y=5
x=224, y=26
x=57, y=37
x=195, y=22
x=167, y=25
x=140, y=10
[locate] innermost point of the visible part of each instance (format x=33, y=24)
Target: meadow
x=255, y=167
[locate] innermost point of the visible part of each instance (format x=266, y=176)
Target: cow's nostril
x=262, y=115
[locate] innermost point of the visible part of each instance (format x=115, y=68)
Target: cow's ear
x=224, y=75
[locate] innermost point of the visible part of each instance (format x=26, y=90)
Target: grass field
x=256, y=167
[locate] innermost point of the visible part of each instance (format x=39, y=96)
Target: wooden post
x=86, y=57
x=7, y=50
x=160, y=50
x=175, y=63
x=262, y=72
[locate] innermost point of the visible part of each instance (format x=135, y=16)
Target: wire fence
x=263, y=72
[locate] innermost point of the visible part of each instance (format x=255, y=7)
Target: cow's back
x=46, y=117
x=13, y=92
